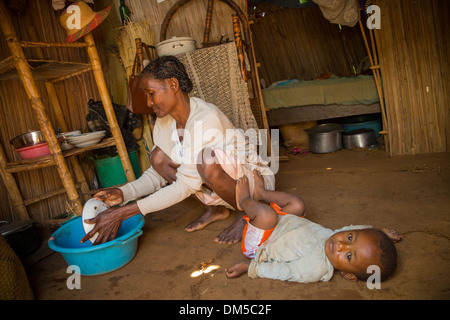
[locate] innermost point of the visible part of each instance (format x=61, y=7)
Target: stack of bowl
x=31, y=145
x=65, y=145
x=86, y=139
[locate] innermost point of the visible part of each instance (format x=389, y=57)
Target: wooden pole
x=208, y=19
x=63, y=125
x=20, y=63
x=12, y=188
x=376, y=75
x=257, y=86
x=238, y=42
x=140, y=54
x=107, y=105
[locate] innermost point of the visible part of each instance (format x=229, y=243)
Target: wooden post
x=257, y=87
x=238, y=42
x=12, y=188
x=376, y=76
x=63, y=125
x=140, y=54
x=208, y=19
x=23, y=69
x=107, y=105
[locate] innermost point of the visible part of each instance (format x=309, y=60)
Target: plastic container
x=98, y=259
x=174, y=46
x=110, y=171
x=369, y=121
x=36, y=151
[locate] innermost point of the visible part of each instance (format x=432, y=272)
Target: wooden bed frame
x=282, y=116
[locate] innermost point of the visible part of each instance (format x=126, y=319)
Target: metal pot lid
x=9, y=228
x=362, y=131
x=173, y=39
x=326, y=128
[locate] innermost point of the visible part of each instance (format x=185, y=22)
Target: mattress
x=334, y=90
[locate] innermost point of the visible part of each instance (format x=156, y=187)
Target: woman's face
x=159, y=95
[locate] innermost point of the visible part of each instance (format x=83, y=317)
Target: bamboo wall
x=413, y=47
x=188, y=21
x=299, y=43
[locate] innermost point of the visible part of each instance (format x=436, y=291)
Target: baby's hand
x=237, y=270
x=392, y=234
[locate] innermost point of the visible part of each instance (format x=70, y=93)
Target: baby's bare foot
x=242, y=191
x=259, y=186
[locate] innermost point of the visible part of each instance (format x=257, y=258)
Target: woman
x=197, y=152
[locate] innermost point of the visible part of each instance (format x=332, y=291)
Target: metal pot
x=31, y=138
x=361, y=138
x=325, y=138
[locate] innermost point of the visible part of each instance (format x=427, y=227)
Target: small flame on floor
x=204, y=270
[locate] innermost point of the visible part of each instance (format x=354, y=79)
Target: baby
x=303, y=251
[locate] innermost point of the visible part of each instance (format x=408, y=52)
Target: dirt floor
x=410, y=194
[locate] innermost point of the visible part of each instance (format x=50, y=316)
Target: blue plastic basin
x=98, y=259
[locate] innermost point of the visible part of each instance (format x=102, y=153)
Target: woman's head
x=167, y=67
x=166, y=84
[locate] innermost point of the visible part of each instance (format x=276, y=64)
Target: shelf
x=42, y=69
x=29, y=71
x=47, y=161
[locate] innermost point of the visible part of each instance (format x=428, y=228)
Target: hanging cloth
x=343, y=12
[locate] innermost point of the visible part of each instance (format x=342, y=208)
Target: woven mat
x=13, y=279
x=216, y=76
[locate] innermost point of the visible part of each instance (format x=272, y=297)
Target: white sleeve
x=148, y=183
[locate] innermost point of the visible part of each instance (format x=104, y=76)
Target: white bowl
x=88, y=135
x=91, y=209
x=86, y=139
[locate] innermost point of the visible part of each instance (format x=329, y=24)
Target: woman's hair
x=167, y=67
x=388, y=256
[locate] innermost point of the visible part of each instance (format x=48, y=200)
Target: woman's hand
x=107, y=223
x=111, y=196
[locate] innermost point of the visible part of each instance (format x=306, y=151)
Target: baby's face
x=353, y=251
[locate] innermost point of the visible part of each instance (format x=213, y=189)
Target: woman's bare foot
x=242, y=191
x=211, y=214
x=233, y=233
x=237, y=270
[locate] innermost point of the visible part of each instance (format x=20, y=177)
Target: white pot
x=175, y=46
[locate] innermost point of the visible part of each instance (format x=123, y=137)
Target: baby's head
x=352, y=251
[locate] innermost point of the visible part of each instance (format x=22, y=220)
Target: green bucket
x=110, y=170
